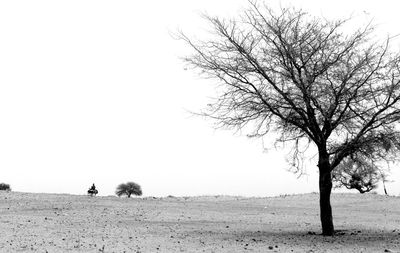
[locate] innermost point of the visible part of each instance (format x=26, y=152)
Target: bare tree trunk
x=325, y=188
x=384, y=188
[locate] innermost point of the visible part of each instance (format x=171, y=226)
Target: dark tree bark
x=325, y=188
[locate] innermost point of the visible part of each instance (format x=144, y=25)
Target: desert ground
x=33, y=222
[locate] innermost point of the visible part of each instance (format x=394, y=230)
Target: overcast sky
x=95, y=92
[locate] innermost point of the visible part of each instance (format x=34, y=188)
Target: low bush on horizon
x=128, y=189
x=5, y=187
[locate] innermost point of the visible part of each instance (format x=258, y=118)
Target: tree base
x=328, y=233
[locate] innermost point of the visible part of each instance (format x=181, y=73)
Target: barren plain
x=33, y=222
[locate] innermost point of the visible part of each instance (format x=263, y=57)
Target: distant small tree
x=5, y=187
x=128, y=189
x=357, y=173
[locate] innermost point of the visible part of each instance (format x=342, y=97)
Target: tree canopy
x=128, y=189
x=310, y=79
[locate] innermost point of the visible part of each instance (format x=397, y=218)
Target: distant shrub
x=128, y=189
x=5, y=187
x=359, y=173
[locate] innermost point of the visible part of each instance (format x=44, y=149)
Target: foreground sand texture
x=68, y=223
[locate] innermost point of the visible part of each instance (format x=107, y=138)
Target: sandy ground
x=69, y=223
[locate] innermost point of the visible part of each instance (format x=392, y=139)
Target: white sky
x=95, y=92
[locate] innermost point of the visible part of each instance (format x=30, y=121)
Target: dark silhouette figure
x=92, y=190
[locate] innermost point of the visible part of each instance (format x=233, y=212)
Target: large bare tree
x=311, y=80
